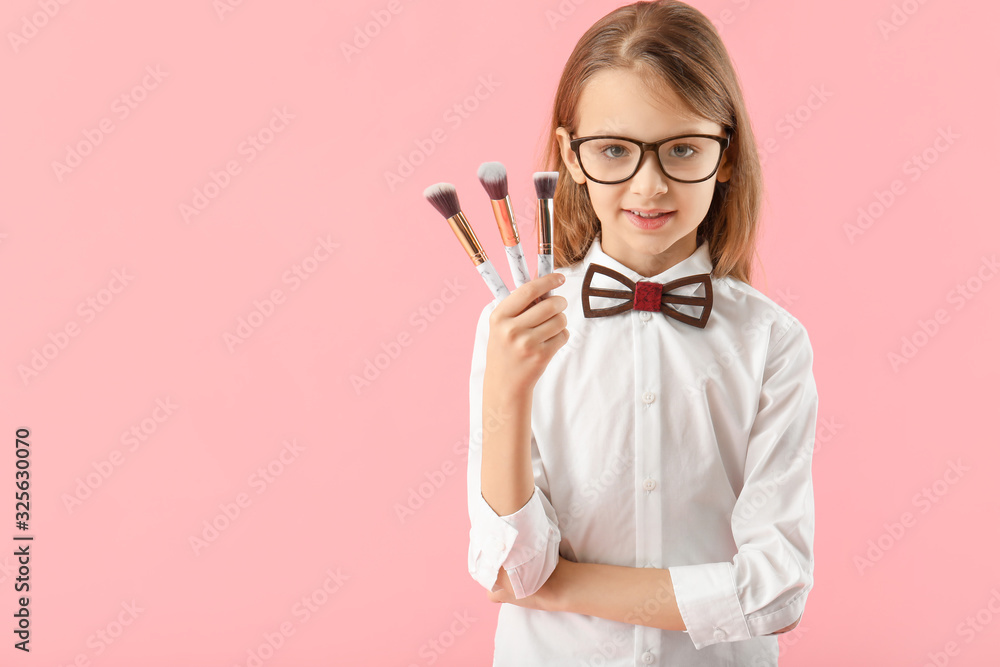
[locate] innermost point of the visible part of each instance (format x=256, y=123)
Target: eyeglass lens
x=685, y=158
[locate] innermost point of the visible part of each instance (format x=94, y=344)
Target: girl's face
x=616, y=102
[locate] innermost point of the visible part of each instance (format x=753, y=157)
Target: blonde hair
x=667, y=43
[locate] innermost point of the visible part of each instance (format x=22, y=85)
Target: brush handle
x=544, y=265
x=493, y=280
x=544, y=269
x=518, y=265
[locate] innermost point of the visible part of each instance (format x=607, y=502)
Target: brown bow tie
x=648, y=295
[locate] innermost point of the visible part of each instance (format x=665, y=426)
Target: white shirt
x=659, y=444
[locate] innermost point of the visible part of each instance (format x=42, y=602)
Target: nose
x=649, y=180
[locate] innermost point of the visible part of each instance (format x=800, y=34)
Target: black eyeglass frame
x=574, y=145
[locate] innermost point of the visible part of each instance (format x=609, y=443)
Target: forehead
x=618, y=102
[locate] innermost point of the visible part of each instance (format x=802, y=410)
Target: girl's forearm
x=634, y=595
x=639, y=596
x=507, y=480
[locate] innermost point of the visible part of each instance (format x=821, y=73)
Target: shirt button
x=644, y=315
x=648, y=658
x=648, y=397
x=649, y=484
x=720, y=634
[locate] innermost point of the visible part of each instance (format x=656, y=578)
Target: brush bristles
x=493, y=176
x=444, y=198
x=545, y=183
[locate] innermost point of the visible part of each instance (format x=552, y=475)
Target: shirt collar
x=698, y=262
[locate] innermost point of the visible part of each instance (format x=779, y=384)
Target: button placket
x=648, y=363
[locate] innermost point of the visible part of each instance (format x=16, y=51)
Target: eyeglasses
x=690, y=158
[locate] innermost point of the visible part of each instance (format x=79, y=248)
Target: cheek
x=605, y=199
x=697, y=198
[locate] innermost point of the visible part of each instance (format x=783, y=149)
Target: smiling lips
x=650, y=218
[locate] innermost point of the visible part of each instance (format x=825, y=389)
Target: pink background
x=397, y=291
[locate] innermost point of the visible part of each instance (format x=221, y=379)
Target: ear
x=569, y=157
x=725, y=169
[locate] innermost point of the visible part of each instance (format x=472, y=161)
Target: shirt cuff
x=706, y=597
x=524, y=543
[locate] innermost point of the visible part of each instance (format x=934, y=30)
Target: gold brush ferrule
x=460, y=225
x=505, y=221
x=545, y=217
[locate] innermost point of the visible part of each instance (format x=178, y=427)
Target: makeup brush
x=545, y=188
x=444, y=198
x=493, y=176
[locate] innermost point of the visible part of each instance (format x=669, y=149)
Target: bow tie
x=647, y=295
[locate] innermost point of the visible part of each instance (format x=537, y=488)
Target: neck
x=651, y=264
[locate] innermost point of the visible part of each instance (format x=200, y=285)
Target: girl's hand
x=525, y=335
x=546, y=598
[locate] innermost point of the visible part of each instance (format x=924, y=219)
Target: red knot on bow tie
x=648, y=295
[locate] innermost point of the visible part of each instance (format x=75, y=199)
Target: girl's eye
x=687, y=147
x=614, y=151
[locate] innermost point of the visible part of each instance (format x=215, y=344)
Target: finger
x=549, y=327
x=542, y=312
x=550, y=331
x=522, y=297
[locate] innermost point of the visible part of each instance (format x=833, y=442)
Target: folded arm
x=763, y=590
x=639, y=596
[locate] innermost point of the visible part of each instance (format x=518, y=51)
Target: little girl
x=639, y=479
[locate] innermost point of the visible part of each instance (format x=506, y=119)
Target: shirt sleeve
x=526, y=542
x=765, y=586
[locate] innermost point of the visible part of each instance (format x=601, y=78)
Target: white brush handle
x=544, y=265
x=544, y=269
x=493, y=280
x=518, y=265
